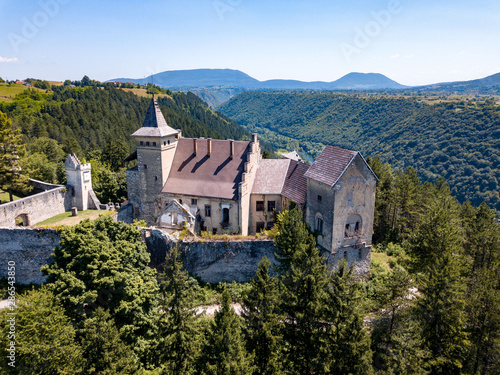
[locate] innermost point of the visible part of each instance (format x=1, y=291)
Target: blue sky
x=411, y=41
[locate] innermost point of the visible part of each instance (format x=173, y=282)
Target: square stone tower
x=79, y=178
x=156, y=143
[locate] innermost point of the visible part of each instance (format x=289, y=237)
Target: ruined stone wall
x=212, y=261
x=36, y=208
x=30, y=249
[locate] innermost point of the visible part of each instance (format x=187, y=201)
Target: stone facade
x=30, y=249
x=345, y=212
x=36, y=208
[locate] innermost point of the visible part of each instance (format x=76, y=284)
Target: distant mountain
x=486, y=85
x=197, y=78
x=203, y=78
x=365, y=81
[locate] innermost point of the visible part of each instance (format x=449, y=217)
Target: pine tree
x=45, y=340
x=482, y=246
x=224, y=352
x=440, y=310
x=263, y=321
x=178, y=325
x=103, y=349
x=348, y=342
x=11, y=176
x=305, y=282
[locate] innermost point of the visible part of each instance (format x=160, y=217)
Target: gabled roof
x=294, y=155
x=331, y=164
x=154, y=124
x=295, y=187
x=215, y=176
x=270, y=176
x=281, y=176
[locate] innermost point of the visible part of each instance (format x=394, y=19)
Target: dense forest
x=431, y=305
x=95, y=123
x=458, y=139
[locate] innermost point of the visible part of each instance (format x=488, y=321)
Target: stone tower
x=156, y=143
x=79, y=179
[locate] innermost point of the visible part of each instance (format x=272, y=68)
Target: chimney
x=209, y=146
x=231, y=148
x=180, y=133
x=254, y=137
x=194, y=146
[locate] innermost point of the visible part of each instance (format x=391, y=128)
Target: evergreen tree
x=11, y=176
x=224, y=352
x=348, y=343
x=103, y=349
x=45, y=341
x=103, y=263
x=178, y=324
x=263, y=321
x=305, y=282
x=482, y=246
x=441, y=313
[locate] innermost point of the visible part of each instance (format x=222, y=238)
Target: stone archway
x=22, y=220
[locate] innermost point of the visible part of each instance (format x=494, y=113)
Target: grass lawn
x=143, y=92
x=381, y=258
x=7, y=92
x=66, y=218
x=4, y=197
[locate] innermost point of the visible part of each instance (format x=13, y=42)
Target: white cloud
x=8, y=59
x=395, y=56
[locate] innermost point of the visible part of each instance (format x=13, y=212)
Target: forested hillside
x=456, y=139
x=96, y=123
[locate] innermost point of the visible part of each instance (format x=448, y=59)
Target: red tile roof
x=270, y=176
x=295, y=187
x=215, y=176
x=331, y=164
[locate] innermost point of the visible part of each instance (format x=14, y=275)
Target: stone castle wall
x=211, y=261
x=36, y=208
x=30, y=249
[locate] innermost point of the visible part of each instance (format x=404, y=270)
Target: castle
x=224, y=186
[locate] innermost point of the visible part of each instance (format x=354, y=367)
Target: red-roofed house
x=224, y=186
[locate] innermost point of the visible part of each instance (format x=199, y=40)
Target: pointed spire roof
x=154, y=124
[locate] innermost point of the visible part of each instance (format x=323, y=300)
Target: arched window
x=353, y=226
x=318, y=224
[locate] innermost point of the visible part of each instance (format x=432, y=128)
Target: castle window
x=180, y=201
x=141, y=143
x=271, y=205
x=164, y=143
x=345, y=254
x=208, y=210
x=260, y=226
x=360, y=254
x=154, y=144
x=319, y=225
x=145, y=166
x=214, y=231
x=147, y=143
x=168, y=142
x=194, y=202
x=156, y=178
x=320, y=198
x=353, y=226
x=259, y=206
x=225, y=216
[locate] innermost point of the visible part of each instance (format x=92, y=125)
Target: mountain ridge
x=198, y=78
